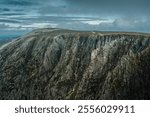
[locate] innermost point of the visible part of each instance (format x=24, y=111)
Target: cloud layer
x=102, y=15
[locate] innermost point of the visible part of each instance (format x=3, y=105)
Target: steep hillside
x=63, y=64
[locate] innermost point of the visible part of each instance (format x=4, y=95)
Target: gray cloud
x=133, y=25
x=18, y=2
x=113, y=15
x=4, y=9
x=112, y=6
x=9, y=21
x=10, y=14
x=3, y=26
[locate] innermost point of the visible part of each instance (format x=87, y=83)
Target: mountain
x=65, y=64
x=6, y=38
x=4, y=41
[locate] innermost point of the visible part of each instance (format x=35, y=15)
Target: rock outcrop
x=63, y=64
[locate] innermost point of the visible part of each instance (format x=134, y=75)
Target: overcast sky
x=19, y=16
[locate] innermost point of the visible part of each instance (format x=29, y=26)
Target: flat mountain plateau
x=64, y=64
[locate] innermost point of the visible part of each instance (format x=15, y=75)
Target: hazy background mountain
x=7, y=38
x=3, y=42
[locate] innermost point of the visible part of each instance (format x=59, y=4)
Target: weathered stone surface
x=62, y=64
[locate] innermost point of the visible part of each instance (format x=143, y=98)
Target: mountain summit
x=64, y=64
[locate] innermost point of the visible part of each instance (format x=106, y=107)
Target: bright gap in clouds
x=97, y=22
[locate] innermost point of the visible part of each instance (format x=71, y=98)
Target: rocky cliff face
x=62, y=64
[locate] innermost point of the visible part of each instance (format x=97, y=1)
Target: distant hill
x=4, y=41
x=65, y=64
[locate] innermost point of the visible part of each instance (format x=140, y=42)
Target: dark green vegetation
x=62, y=64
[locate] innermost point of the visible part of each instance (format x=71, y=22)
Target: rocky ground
x=63, y=64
